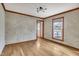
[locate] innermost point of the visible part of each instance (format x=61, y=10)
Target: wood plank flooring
x=40, y=47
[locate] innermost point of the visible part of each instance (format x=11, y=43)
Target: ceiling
x=31, y=8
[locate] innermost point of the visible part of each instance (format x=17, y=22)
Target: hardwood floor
x=40, y=47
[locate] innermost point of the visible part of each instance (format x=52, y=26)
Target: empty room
x=39, y=29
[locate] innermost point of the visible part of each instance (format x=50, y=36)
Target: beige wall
x=19, y=28
x=2, y=28
x=71, y=28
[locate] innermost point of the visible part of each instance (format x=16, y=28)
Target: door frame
x=40, y=28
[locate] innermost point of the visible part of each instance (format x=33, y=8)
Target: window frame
x=62, y=29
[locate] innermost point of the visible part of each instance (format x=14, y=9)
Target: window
x=58, y=28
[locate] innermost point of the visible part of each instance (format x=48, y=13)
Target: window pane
x=57, y=28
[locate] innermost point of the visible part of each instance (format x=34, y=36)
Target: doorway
x=40, y=29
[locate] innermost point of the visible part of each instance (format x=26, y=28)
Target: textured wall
x=48, y=28
x=19, y=28
x=2, y=28
x=71, y=28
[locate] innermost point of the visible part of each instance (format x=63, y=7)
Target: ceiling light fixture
x=39, y=9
